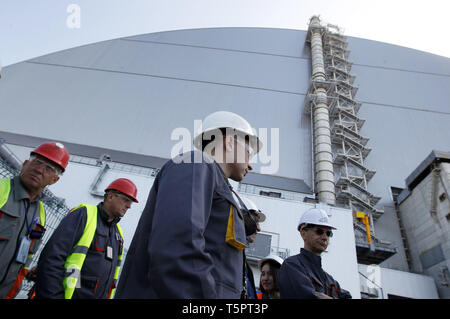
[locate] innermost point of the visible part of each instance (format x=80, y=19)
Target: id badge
x=22, y=254
x=109, y=252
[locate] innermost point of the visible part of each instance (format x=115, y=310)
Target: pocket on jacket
x=8, y=223
x=99, y=243
x=88, y=286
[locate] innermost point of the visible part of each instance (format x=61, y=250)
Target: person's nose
x=39, y=169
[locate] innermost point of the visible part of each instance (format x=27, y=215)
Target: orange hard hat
x=124, y=186
x=54, y=152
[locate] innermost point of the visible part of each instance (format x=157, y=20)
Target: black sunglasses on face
x=320, y=232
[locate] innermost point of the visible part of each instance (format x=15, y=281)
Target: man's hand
x=322, y=295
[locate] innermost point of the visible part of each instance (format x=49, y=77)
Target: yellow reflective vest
x=75, y=261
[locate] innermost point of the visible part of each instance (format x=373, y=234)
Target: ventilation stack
x=323, y=157
x=339, y=149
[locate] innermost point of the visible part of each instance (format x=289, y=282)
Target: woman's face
x=267, y=278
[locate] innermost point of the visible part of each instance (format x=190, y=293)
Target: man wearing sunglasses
x=82, y=258
x=22, y=214
x=301, y=276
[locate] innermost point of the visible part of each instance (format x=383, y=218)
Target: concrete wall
x=425, y=232
x=399, y=283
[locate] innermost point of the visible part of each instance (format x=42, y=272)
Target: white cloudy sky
x=30, y=28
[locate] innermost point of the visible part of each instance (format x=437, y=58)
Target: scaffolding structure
x=349, y=146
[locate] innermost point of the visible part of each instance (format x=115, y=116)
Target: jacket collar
x=20, y=192
x=311, y=257
x=104, y=216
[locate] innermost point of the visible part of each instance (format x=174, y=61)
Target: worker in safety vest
x=301, y=276
x=83, y=256
x=22, y=214
x=190, y=239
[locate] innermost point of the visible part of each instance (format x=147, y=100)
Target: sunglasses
x=320, y=232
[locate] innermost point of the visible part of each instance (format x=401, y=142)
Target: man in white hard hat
x=301, y=276
x=190, y=240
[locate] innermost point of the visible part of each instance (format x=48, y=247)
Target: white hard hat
x=275, y=258
x=224, y=119
x=315, y=216
x=252, y=206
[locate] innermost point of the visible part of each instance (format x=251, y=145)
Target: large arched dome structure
x=125, y=98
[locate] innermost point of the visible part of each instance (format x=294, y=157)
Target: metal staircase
x=349, y=145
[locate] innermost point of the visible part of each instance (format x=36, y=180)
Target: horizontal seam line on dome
x=225, y=84
x=219, y=49
x=401, y=70
x=282, y=55
x=406, y=107
x=166, y=77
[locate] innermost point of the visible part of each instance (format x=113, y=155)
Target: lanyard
x=33, y=221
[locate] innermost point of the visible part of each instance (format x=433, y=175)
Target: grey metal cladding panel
x=432, y=257
x=384, y=55
x=87, y=55
x=414, y=90
x=137, y=114
x=400, y=139
x=295, y=185
x=199, y=64
x=269, y=41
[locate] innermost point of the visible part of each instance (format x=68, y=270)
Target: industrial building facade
x=116, y=104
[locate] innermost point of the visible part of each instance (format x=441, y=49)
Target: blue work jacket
x=190, y=238
x=97, y=273
x=302, y=275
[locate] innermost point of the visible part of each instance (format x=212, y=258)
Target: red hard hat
x=124, y=186
x=55, y=152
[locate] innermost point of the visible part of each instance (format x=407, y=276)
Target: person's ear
x=303, y=234
x=54, y=180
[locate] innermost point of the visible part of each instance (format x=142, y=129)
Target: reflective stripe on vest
x=5, y=189
x=119, y=262
x=75, y=261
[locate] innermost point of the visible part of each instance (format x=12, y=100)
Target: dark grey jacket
x=302, y=275
x=97, y=272
x=12, y=230
x=179, y=249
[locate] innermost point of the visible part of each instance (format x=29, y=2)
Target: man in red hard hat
x=22, y=214
x=82, y=258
